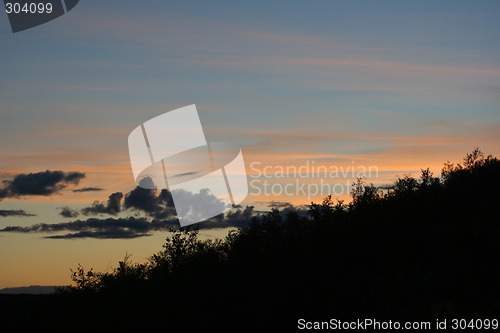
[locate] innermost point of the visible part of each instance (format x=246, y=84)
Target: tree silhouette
x=427, y=249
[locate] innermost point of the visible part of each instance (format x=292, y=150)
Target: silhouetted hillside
x=428, y=248
x=36, y=290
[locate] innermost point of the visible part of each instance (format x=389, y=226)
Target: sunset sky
x=394, y=85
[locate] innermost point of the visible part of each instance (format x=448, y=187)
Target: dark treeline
x=426, y=248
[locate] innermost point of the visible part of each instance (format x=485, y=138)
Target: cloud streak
x=133, y=227
x=18, y=212
x=130, y=227
x=88, y=189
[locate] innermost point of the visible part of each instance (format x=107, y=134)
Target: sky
x=341, y=86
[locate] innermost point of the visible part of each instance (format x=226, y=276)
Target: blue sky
x=368, y=65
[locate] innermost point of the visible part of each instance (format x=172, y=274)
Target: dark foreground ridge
x=426, y=249
x=33, y=290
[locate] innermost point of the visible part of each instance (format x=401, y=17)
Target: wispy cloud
x=88, y=189
x=16, y=212
x=284, y=63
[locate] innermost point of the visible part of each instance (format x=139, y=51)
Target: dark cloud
x=154, y=203
x=103, y=234
x=235, y=218
x=88, y=189
x=158, y=204
x=129, y=227
x=68, y=212
x=73, y=177
x=112, y=207
x=141, y=199
x=185, y=174
x=133, y=227
x=279, y=205
x=18, y=212
x=41, y=183
x=147, y=183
